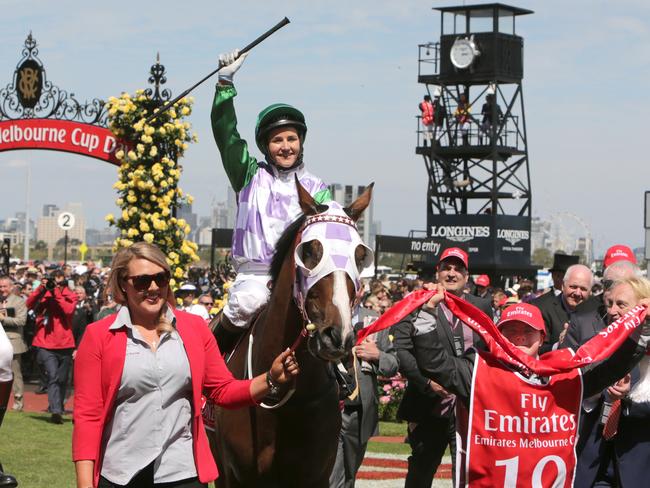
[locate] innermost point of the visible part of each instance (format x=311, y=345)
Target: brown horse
x=295, y=445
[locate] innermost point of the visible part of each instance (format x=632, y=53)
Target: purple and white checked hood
x=338, y=235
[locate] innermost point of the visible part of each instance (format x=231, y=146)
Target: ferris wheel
x=569, y=233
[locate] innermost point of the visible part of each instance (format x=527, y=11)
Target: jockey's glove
x=230, y=63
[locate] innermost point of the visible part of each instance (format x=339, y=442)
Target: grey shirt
x=153, y=410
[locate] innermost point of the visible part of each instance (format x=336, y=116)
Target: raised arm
x=240, y=166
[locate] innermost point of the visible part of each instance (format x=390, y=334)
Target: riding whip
x=245, y=49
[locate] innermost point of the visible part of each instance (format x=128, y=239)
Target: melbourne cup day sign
x=36, y=114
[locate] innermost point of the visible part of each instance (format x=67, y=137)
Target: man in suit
x=13, y=315
x=595, y=455
x=556, y=311
x=429, y=408
x=360, y=416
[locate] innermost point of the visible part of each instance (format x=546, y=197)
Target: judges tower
x=479, y=181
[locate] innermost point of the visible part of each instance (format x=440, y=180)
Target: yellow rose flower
x=119, y=154
x=125, y=215
x=148, y=238
x=144, y=227
x=132, y=156
x=178, y=273
x=109, y=217
x=185, y=111
x=153, y=152
x=131, y=199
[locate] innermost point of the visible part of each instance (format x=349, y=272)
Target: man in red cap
x=482, y=286
x=618, y=252
x=426, y=406
x=519, y=429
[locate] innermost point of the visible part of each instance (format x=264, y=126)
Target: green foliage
x=390, y=391
x=542, y=257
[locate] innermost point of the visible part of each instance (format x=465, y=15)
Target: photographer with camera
x=54, y=304
x=13, y=315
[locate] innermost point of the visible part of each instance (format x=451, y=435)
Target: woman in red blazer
x=137, y=397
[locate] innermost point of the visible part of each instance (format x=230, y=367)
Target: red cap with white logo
x=483, y=280
x=618, y=252
x=523, y=312
x=454, y=252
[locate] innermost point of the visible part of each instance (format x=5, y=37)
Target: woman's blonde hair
x=119, y=272
x=640, y=286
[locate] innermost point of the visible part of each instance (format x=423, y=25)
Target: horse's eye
x=311, y=253
x=361, y=255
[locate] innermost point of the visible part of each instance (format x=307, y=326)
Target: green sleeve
x=323, y=196
x=240, y=166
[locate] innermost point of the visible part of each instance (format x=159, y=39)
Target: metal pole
x=27, y=200
x=213, y=247
x=65, y=249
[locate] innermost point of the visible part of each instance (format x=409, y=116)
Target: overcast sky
x=352, y=68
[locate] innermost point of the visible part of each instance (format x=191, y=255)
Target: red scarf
x=598, y=348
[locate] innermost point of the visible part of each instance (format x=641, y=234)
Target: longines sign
x=501, y=241
x=59, y=135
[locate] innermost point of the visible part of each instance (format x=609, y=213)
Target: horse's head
x=330, y=257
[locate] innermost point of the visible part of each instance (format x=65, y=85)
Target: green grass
x=391, y=429
x=37, y=452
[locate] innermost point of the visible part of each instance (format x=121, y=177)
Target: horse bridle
x=309, y=328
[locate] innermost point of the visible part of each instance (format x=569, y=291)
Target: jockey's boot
x=226, y=335
x=6, y=480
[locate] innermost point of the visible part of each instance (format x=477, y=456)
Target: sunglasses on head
x=143, y=282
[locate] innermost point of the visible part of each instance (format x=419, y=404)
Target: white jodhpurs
x=6, y=355
x=247, y=295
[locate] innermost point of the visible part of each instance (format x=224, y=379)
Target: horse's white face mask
x=338, y=236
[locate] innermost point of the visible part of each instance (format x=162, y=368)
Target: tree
x=542, y=257
x=148, y=177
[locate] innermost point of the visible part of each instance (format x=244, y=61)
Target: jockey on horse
x=266, y=195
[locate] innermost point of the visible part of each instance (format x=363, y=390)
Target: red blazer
x=98, y=371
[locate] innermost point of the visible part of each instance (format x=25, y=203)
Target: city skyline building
x=345, y=195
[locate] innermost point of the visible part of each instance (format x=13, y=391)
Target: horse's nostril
x=334, y=335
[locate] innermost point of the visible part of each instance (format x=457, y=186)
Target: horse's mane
x=285, y=245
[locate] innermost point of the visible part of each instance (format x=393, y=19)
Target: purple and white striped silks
x=266, y=207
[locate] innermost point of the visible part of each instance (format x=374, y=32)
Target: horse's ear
x=357, y=207
x=307, y=202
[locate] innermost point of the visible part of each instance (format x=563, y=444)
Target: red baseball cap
x=523, y=312
x=618, y=252
x=454, y=252
x=483, y=280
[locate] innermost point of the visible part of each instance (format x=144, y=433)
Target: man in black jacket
x=557, y=311
x=428, y=407
x=592, y=450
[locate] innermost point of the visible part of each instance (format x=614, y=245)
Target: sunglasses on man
x=207, y=304
x=143, y=282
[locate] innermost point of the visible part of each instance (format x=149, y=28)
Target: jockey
x=267, y=198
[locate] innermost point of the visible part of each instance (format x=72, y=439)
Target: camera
x=50, y=284
x=11, y=311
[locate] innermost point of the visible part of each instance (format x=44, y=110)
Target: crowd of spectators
x=74, y=298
